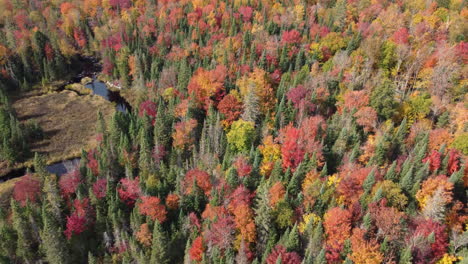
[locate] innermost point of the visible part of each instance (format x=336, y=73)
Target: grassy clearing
x=67, y=120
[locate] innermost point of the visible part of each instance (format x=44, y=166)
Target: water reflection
x=100, y=88
x=63, y=167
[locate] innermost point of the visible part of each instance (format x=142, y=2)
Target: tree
x=208, y=86
x=276, y=193
x=251, y=107
x=69, y=182
x=453, y=163
x=401, y=36
x=434, y=160
x=53, y=241
x=221, y=233
x=151, y=206
x=298, y=95
x=183, y=135
x=388, y=220
x=242, y=166
x=337, y=224
x=271, y=152
x=382, y=99
x=239, y=206
x=27, y=189
x=199, y=178
x=246, y=12
x=26, y=243
x=432, y=234
x=367, y=118
x=144, y=235
x=197, y=249
x=280, y=255
x=148, y=108
x=291, y=37
x=352, y=182
x=460, y=144
x=354, y=100
x=100, y=188
x=129, y=190
x=244, y=220
x=263, y=218
x=429, y=188
x=258, y=85
x=364, y=251
x=159, y=245
x=292, y=152
x=231, y=108
x=75, y=225
x=172, y=201
x=240, y=135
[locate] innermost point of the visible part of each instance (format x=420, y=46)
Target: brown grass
x=78, y=88
x=67, y=120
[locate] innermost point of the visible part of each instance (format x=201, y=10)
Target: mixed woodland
x=297, y=131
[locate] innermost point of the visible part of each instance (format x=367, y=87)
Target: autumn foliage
x=254, y=131
x=197, y=249
x=208, y=86
x=151, y=206
x=279, y=254
x=27, y=189
x=337, y=224
x=129, y=191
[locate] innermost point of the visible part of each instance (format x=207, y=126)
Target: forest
x=260, y=131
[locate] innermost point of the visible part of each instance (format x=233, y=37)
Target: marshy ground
x=68, y=122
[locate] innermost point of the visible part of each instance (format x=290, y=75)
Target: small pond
x=58, y=168
x=101, y=89
x=63, y=167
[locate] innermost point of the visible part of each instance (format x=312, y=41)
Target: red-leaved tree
x=337, y=224
x=453, y=161
x=292, y=150
x=197, y=249
x=231, y=108
x=279, y=252
x=151, y=206
x=434, y=160
x=428, y=241
x=69, y=182
x=148, y=108
x=129, y=190
x=27, y=189
x=75, y=225
x=221, y=232
x=199, y=178
x=100, y=188
x=242, y=166
x=208, y=86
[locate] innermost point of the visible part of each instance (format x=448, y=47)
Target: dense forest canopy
x=263, y=131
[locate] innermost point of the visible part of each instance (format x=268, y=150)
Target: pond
x=58, y=168
x=63, y=167
x=101, y=89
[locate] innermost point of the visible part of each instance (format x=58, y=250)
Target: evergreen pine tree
x=53, y=240
x=263, y=219
x=391, y=174
x=293, y=241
